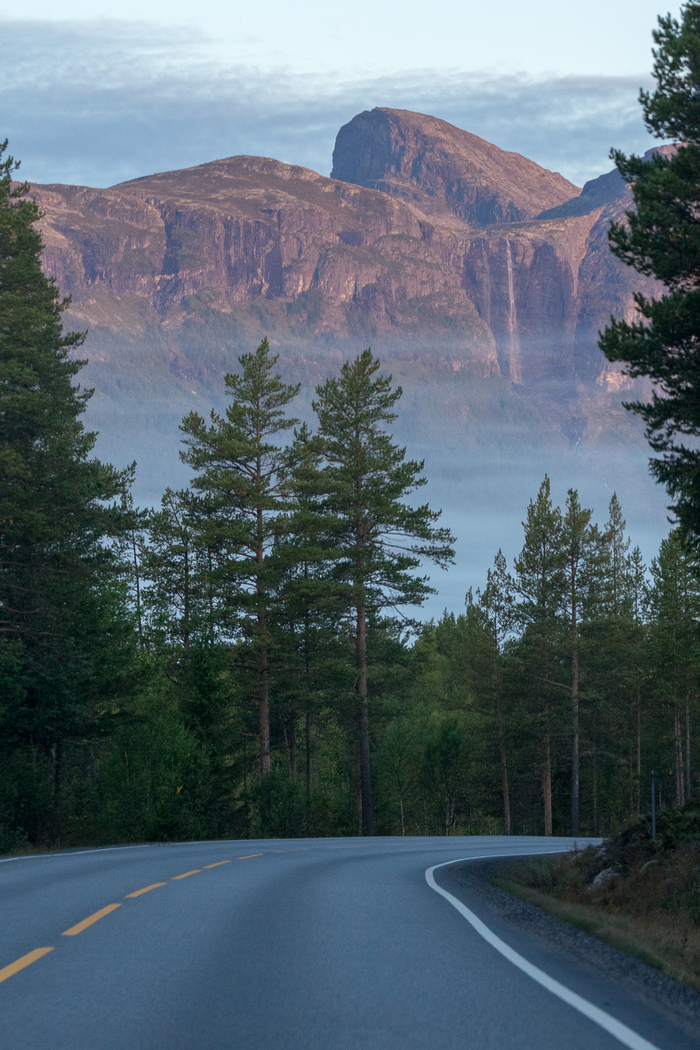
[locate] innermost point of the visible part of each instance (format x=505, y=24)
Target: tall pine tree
x=241, y=490
x=382, y=539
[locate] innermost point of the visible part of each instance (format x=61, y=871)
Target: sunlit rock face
x=443, y=252
x=453, y=177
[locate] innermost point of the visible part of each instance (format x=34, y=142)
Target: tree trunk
x=575, y=748
x=186, y=603
x=504, y=770
x=365, y=770
x=264, y=701
x=137, y=580
x=264, y=709
x=688, y=785
x=307, y=732
x=290, y=738
x=678, y=756
x=639, y=752
x=547, y=785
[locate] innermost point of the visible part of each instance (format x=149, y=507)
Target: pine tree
x=176, y=592
x=241, y=490
x=674, y=600
x=381, y=538
x=582, y=551
x=616, y=657
x=662, y=239
x=636, y=581
x=309, y=601
x=539, y=585
x=497, y=602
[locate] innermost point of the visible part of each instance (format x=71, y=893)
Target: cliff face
x=427, y=242
x=322, y=257
x=453, y=177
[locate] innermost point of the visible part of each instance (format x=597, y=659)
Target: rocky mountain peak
x=453, y=177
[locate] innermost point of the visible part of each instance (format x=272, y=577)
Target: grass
x=633, y=893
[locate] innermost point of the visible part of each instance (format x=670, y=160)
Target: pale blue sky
x=598, y=37
x=89, y=95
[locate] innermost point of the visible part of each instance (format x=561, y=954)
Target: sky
x=95, y=94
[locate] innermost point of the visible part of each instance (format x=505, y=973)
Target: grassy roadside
x=636, y=894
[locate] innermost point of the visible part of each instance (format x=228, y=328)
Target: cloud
x=97, y=103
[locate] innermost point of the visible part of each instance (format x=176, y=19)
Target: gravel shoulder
x=676, y=999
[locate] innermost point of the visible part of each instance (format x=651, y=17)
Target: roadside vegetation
x=636, y=893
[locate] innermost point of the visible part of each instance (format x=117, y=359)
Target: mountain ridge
x=262, y=245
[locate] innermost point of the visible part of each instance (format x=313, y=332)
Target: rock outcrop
x=453, y=177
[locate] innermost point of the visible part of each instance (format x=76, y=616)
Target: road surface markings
x=26, y=960
x=620, y=1031
x=153, y=886
x=290, y=851
x=249, y=855
x=80, y=926
x=38, y=953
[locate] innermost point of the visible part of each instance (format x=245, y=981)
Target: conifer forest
x=247, y=660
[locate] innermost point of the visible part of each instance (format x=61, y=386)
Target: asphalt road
x=322, y=944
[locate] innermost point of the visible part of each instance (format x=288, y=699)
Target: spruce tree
x=61, y=625
x=381, y=538
x=661, y=239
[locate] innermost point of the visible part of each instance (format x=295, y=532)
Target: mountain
x=479, y=277
x=425, y=236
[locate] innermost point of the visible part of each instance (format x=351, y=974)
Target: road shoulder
x=470, y=882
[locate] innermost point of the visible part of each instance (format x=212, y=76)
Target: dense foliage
x=240, y=661
x=65, y=635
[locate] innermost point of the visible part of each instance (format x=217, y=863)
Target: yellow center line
x=79, y=927
x=153, y=886
x=26, y=960
x=217, y=864
x=249, y=855
x=193, y=872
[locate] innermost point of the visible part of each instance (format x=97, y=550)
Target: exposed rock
x=429, y=243
x=444, y=171
x=604, y=877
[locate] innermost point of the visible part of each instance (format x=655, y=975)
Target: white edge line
x=78, y=852
x=620, y=1031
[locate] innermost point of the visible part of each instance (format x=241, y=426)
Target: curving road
x=319, y=944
